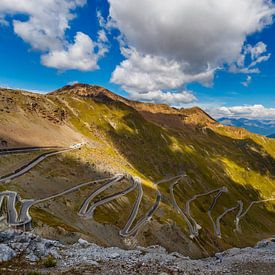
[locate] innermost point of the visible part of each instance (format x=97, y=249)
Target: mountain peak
x=89, y=91
x=192, y=115
x=102, y=94
x=197, y=115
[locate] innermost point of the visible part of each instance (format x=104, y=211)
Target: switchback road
x=20, y=150
x=27, y=167
x=88, y=207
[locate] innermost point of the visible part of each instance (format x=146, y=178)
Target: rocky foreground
x=27, y=253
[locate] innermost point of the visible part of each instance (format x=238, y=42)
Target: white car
x=77, y=145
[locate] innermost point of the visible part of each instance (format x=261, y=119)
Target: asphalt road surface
x=27, y=167
x=89, y=205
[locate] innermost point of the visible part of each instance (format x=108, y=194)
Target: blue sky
x=219, y=56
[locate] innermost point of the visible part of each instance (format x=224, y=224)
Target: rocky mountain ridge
x=22, y=252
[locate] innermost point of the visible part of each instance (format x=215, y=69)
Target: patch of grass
x=50, y=262
x=34, y=272
x=47, y=218
x=263, y=183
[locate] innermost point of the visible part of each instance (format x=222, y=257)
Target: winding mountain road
x=126, y=231
x=196, y=226
x=209, y=212
x=88, y=212
x=192, y=224
x=85, y=211
x=12, y=216
x=219, y=218
x=27, y=167
x=88, y=207
x=242, y=213
x=180, y=211
x=20, y=150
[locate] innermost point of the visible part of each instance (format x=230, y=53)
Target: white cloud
x=258, y=50
x=260, y=59
x=145, y=76
x=256, y=55
x=102, y=36
x=79, y=55
x=45, y=30
x=172, y=43
x=247, y=82
x=252, y=111
x=47, y=20
x=4, y=86
x=72, y=82
x=3, y=21
x=141, y=73
x=174, y=99
x=211, y=31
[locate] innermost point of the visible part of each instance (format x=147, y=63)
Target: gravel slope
x=22, y=252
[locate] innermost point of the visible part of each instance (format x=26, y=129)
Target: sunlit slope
x=28, y=118
x=149, y=141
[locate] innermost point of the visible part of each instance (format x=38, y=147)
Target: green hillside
x=150, y=141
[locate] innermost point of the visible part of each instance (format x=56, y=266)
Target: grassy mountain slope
x=147, y=140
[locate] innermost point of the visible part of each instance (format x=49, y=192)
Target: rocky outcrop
x=83, y=256
x=6, y=253
x=33, y=247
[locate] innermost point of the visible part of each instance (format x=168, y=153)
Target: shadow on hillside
x=59, y=173
x=156, y=153
x=258, y=223
x=153, y=152
x=249, y=154
x=150, y=148
x=10, y=142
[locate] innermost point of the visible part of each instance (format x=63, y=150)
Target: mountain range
x=190, y=177
x=258, y=126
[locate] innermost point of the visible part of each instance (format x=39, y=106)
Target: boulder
x=6, y=253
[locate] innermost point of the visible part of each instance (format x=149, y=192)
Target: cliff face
x=153, y=142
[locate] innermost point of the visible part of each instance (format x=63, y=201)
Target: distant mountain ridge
x=271, y=136
x=263, y=127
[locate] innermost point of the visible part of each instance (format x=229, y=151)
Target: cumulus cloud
x=79, y=55
x=252, y=111
x=146, y=72
x=174, y=99
x=45, y=30
x=47, y=20
x=172, y=43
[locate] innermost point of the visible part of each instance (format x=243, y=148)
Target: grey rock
x=83, y=243
x=153, y=259
x=262, y=244
x=114, y=255
x=154, y=249
x=6, y=253
x=31, y=257
x=178, y=255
